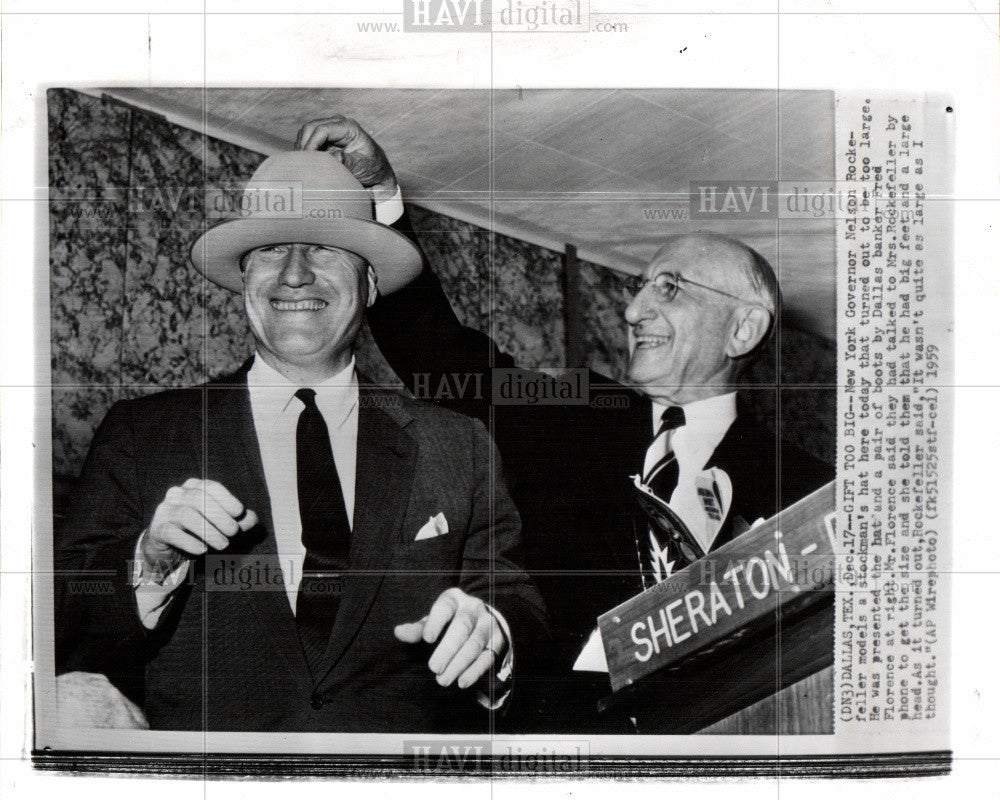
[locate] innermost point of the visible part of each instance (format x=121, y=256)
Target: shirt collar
x=336, y=397
x=712, y=413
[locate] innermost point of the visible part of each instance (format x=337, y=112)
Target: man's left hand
x=471, y=644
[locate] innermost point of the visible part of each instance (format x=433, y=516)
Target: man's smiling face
x=304, y=304
x=680, y=344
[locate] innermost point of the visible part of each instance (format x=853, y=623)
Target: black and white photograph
x=258, y=531
x=435, y=427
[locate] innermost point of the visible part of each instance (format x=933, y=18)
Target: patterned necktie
x=661, y=477
x=326, y=532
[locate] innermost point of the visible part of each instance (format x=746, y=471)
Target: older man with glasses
x=703, y=310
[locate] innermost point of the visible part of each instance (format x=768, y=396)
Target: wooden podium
x=741, y=641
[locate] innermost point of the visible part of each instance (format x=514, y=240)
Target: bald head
x=707, y=307
x=723, y=263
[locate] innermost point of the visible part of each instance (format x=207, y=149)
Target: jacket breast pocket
x=442, y=552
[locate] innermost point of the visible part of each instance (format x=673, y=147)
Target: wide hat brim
x=217, y=253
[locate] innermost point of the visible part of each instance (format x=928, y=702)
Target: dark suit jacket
x=568, y=467
x=228, y=657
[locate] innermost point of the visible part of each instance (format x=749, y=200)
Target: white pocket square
x=435, y=526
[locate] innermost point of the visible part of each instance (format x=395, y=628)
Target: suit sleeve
x=492, y=559
x=424, y=342
x=98, y=628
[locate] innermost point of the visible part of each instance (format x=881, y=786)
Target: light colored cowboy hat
x=306, y=197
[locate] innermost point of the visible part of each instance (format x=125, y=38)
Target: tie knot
x=671, y=418
x=307, y=396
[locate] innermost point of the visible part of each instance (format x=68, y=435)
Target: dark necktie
x=662, y=476
x=326, y=532
x=662, y=479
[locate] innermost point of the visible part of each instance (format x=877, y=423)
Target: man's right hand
x=192, y=518
x=349, y=142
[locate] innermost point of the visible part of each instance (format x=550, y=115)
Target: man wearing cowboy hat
x=299, y=550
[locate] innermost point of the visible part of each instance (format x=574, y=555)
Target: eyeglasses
x=666, y=285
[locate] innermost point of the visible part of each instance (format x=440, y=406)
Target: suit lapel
x=632, y=441
x=640, y=432
x=733, y=455
x=233, y=458
x=386, y=461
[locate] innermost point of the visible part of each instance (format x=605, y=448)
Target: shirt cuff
x=388, y=211
x=506, y=670
x=152, y=595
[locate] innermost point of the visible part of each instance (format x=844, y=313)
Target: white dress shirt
x=276, y=412
x=389, y=210
x=705, y=425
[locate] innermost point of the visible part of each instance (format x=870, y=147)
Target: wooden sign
x=781, y=565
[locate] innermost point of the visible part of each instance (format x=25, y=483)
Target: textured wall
x=130, y=315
